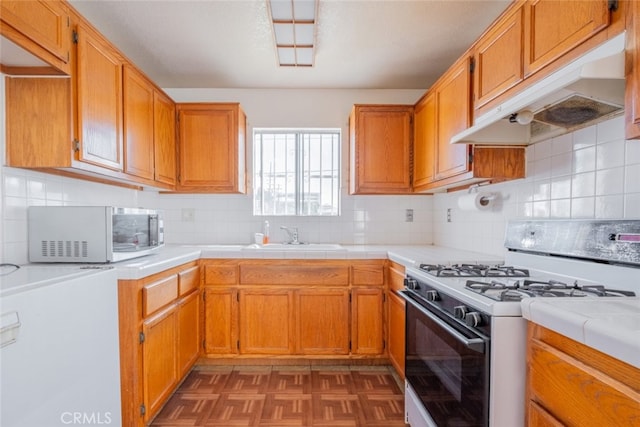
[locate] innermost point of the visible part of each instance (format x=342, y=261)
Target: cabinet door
x=209, y=147
x=554, y=27
x=424, y=141
x=159, y=359
x=453, y=111
x=381, y=139
x=99, y=104
x=632, y=88
x=41, y=27
x=188, y=332
x=322, y=321
x=367, y=335
x=396, y=331
x=266, y=321
x=220, y=321
x=498, y=59
x=164, y=136
x=138, y=125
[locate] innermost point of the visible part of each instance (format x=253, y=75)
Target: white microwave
x=92, y=234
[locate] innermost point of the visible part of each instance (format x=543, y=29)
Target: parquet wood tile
x=285, y=396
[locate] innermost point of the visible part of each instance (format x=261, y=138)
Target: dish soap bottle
x=265, y=233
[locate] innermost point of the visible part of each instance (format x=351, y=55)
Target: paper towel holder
x=485, y=200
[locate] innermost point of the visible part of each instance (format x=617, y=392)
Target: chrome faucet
x=293, y=235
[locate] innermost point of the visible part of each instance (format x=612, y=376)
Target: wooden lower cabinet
x=266, y=321
x=159, y=359
x=396, y=317
x=220, y=320
x=188, y=332
x=294, y=308
x=571, y=384
x=322, y=325
x=159, y=320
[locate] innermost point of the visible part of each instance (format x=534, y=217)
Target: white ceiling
x=360, y=44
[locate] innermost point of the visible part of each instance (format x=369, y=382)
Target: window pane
x=296, y=172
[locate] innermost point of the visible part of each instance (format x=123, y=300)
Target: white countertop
x=608, y=324
x=407, y=255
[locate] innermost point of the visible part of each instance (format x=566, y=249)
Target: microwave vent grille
x=64, y=249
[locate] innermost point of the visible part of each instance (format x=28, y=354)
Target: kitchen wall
x=228, y=219
x=590, y=173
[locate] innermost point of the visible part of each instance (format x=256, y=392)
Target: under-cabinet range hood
x=584, y=92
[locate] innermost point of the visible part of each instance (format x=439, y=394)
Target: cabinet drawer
x=188, y=280
x=288, y=274
x=158, y=294
x=576, y=393
x=368, y=274
x=220, y=274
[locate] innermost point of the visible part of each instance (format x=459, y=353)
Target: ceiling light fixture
x=294, y=31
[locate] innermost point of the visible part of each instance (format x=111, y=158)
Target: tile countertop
x=409, y=256
x=610, y=325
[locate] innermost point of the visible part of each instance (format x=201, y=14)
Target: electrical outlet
x=408, y=215
x=188, y=214
x=449, y=215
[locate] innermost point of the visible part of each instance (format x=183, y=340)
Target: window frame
x=301, y=171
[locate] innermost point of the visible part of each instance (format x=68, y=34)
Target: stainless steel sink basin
x=299, y=247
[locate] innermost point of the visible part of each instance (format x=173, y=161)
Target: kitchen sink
x=299, y=247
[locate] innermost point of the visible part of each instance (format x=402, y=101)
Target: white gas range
x=466, y=339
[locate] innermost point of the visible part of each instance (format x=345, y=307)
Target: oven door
x=447, y=365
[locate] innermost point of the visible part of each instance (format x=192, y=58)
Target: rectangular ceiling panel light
x=294, y=31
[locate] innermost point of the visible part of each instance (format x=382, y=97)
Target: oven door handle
x=475, y=344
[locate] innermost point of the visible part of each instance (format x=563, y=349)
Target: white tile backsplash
x=590, y=173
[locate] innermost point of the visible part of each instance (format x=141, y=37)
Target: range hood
x=584, y=92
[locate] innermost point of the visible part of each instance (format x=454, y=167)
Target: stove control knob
x=411, y=284
x=432, y=295
x=460, y=311
x=473, y=319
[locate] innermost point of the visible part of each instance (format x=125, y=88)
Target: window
x=296, y=172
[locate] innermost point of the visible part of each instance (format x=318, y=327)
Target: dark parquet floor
x=285, y=396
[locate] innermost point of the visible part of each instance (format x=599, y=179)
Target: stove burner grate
x=500, y=291
x=473, y=270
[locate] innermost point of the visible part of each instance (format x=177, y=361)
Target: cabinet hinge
x=384, y=297
x=204, y=296
x=143, y=409
x=68, y=21
x=238, y=345
x=349, y=296
x=472, y=65
x=141, y=337
x=470, y=158
x=238, y=297
x=204, y=344
x=74, y=37
x=349, y=345
x=384, y=344
x=613, y=5
x=76, y=145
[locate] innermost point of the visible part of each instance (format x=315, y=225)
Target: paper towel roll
x=476, y=201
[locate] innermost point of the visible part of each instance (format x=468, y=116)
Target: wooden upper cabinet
x=211, y=148
x=164, y=137
x=632, y=89
x=554, y=27
x=498, y=58
x=99, y=106
x=380, y=149
x=40, y=27
x=424, y=141
x=453, y=98
x=149, y=130
x=138, y=124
